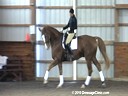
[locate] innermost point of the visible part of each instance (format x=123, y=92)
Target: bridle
x=44, y=40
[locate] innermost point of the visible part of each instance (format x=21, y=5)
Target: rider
x=72, y=24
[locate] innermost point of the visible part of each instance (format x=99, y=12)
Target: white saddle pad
x=74, y=44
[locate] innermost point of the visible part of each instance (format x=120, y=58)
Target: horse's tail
x=102, y=48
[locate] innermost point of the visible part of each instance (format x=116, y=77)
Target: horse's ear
x=40, y=29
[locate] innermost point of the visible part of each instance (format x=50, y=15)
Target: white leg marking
x=46, y=75
x=102, y=76
x=88, y=80
x=61, y=81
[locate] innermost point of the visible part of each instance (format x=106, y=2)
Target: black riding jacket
x=72, y=23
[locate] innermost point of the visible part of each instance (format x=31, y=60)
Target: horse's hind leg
x=97, y=64
x=89, y=65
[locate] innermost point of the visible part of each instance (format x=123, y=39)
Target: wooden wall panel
x=23, y=50
x=121, y=59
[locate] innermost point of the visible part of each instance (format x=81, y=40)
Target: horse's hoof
x=45, y=81
x=59, y=86
x=83, y=86
x=103, y=85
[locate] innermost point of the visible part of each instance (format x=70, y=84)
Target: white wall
x=13, y=33
x=123, y=15
x=14, y=2
x=121, y=1
x=14, y=16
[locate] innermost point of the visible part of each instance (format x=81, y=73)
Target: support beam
x=74, y=62
x=15, y=7
x=116, y=25
x=122, y=6
x=54, y=7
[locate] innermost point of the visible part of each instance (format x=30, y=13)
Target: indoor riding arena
x=29, y=68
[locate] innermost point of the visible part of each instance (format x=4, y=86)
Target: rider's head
x=71, y=11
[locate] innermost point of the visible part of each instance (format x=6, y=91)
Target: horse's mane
x=50, y=28
x=53, y=30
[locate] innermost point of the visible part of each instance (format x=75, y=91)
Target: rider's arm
x=66, y=26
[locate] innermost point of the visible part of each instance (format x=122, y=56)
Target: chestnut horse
x=87, y=47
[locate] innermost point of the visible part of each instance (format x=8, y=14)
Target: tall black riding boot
x=70, y=52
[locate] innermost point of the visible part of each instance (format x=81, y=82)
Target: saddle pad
x=73, y=45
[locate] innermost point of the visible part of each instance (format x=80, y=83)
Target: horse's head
x=45, y=36
x=50, y=35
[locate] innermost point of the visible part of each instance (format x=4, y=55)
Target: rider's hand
x=63, y=31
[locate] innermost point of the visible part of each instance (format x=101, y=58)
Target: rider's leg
x=68, y=40
x=69, y=48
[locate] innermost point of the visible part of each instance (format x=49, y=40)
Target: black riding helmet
x=71, y=11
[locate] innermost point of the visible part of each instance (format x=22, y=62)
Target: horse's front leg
x=52, y=64
x=61, y=76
